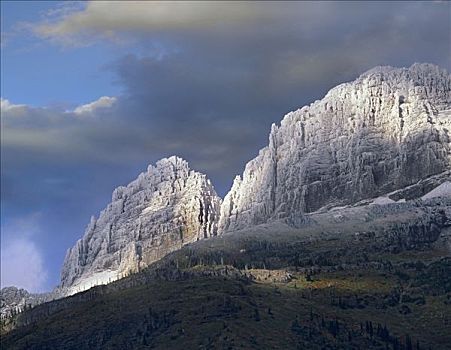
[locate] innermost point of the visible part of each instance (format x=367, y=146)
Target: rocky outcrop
x=15, y=300
x=163, y=209
x=386, y=130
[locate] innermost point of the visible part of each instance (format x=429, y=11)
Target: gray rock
x=163, y=209
x=386, y=130
x=15, y=300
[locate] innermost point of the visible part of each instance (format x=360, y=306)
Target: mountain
x=384, y=131
x=166, y=207
x=344, y=219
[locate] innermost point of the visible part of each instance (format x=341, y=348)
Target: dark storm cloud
x=210, y=91
x=213, y=99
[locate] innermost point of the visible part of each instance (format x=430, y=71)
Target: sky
x=93, y=92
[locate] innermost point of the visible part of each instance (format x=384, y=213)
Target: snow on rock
x=91, y=280
x=15, y=300
x=444, y=190
x=386, y=130
x=166, y=207
x=382, y=201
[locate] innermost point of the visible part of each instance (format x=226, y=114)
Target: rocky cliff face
x=163, y=209
x=15, y=300
x=386, y=130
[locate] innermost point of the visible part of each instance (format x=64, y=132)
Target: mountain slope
x=365, y=277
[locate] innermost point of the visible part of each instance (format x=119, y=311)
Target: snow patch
x=382, y=201
x=443, y=190
x=96, y=279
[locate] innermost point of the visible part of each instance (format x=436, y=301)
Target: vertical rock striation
x=163, y=209
x=388, y=129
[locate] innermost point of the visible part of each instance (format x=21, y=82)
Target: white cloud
x=7, y=106
x=22, y=264
x=89, y=108
x=51, y=134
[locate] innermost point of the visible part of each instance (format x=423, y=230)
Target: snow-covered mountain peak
x=386, y=130
x=167, y=206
